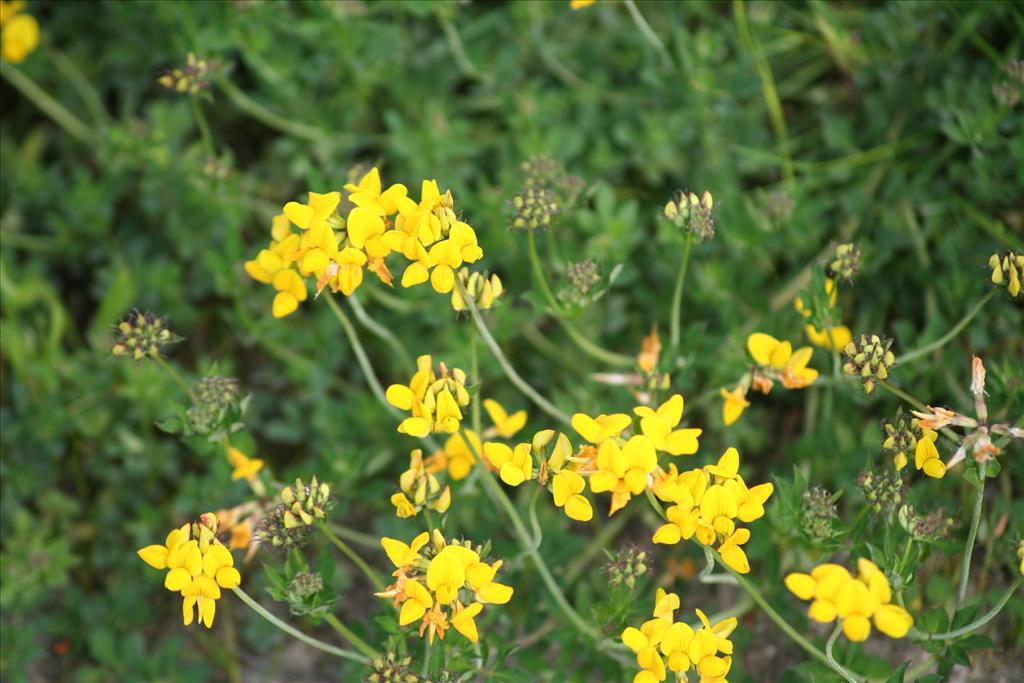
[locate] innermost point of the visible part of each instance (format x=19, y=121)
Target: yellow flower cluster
x=445, y=585
x=855, y=600
x=841, y=335
x=458, y=457
x=420, y=489
x=19, y=33
x=706, y=504
x=663, y=644
x=435, y=400
x=484, y=289
x=556, y=468
x=334, y=250
x=620, y=466
x=198, y=567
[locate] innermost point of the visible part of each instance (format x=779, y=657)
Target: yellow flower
x=418, y=601
x=735, y=402
x=435, y=401
x=567, y=488
x=291, y=289
x=732, y=552
x=623, y=471
x=365, y=231
x=514, y=466
x=644, y=642
x=580, y=4
x=367, y=194
x=19, y=33
x=446, y=573
x=480, y=578
x=597, y=429
x=841, y=336
x=449, y=254
x=658, y=426
x=464, y=621
x=459, y=456
x=313, y=215
x=506, y=426
x=197, y=568
x=401, y=554
x=778, y=356
x=926, y=455
x=835, y=593
x=403, y=506
x=245, y=467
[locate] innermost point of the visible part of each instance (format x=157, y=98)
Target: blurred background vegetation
x=811, y=123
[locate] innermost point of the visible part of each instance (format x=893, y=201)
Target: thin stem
x=169, y=369
x=361, y=357
x=980, y=621
x=899, y=393
x=465, y=64
x=474, y=374
x=804, y=644
x=295, y=633
x=677, y=295
x=510, y=372
x=60, y=115
x=771, y=96
x=648, y=32
x=269, y=118
x=381, y=331
x=581, y=340
x=847, y=676
x=204, y=128
x=965, y=564
x=373, y=576
x=949, y=336
x=81, y=85
x=351, y=636
x=356, y=537
x=498, y=495
x=426, y=657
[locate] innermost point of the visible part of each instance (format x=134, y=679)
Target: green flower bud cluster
x=141, y=335
x=870, y=359
x=583, y=280
x=535, y=207
x=303, y=595
x=901, y=435
x=692, y=214
x=1007, y=93
x=627, y=565
x=212, y=398
x=845, y=261
x=819, y=509
x=392, y=668
x=934, y=526
x=540, y=171
x=1007, y=271
x=883, y=490
x=305, y=504
x=191, y=78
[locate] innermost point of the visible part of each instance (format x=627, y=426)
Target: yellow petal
x=761, y=346
x=155, y=556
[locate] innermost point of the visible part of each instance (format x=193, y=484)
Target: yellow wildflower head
x=733, y=404
x=856, y=601
x=19, y=33
x=197, y=565
x=777, y=360
x=434, y=399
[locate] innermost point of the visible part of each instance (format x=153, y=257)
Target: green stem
x=360, y=352
x=81, y=84
x=906, y=555
x=60, y=115
x=980, y=621
x=648, y=32
x=382, y=332
x=677, y=295
x=510, y=372
x=771, y=96
x=169, y=369
x=269, y=118
x=840, y=669
x=357, y=537
x=474, y=374
x=949, y=336
x=497, y=494
x=578, y=338
x=350, y=635
x=351, y=554
x=295, y=633
x=204, y=128
x=972, y=535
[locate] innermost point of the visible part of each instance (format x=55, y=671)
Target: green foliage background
x=896, y=141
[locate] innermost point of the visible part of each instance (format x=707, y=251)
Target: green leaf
x=933, y=621
x=898, y=674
